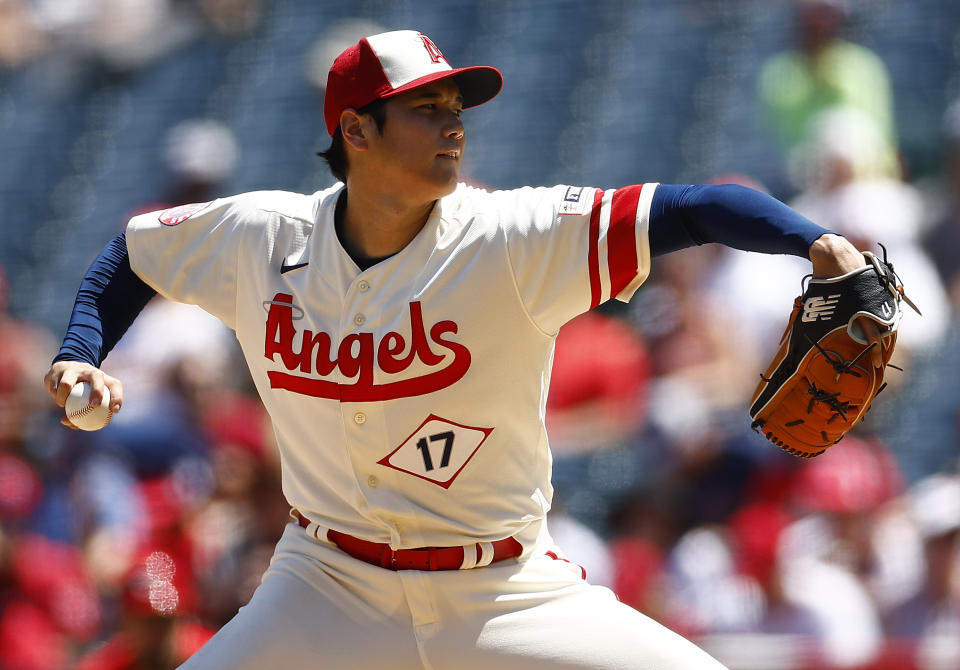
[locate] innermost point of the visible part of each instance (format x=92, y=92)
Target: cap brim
x=478, y=84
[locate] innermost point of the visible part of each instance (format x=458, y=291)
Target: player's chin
x=446, y=176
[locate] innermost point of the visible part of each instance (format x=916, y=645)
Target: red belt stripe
x=424, y=558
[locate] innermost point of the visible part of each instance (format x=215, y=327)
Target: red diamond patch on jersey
x=437, y=451
x=175, y=215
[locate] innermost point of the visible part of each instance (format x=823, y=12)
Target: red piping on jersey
x=553, y=555
x=593, y=254
x=622, y=238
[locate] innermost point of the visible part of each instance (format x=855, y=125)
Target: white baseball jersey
x=408, y=399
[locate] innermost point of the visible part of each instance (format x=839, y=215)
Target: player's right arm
x=109, y=299
x=154, y=255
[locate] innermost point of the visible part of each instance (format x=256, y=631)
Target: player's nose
x=453, y=129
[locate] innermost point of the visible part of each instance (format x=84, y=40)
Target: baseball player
x=399, y=327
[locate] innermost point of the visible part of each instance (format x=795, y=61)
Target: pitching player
x=399, y=327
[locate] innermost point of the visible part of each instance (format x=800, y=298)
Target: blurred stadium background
x=125, y=548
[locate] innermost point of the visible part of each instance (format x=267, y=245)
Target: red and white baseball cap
x=388, y=64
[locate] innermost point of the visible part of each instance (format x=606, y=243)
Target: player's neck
x=378, y=227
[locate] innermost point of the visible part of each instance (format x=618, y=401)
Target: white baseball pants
x=320, y=608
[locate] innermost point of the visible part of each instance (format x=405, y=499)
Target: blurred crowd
x=128, y=547
x=119, y=35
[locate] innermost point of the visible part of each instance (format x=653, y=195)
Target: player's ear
x=354, y=128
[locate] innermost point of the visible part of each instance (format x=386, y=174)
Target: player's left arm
x=732, y=215
x=747, y=219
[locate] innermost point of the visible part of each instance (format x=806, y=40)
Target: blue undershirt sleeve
x=110, y=297
x=687, y=215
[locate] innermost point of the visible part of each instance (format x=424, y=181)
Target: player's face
x=421, y=146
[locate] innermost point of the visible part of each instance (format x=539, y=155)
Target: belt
x=424, y=558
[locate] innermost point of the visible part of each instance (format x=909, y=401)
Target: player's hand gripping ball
x=821, y=382
x=82, y=414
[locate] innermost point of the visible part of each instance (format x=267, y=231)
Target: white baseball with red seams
x=404, y=414
x=81, y=413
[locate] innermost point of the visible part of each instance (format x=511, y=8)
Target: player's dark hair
x=336, y=155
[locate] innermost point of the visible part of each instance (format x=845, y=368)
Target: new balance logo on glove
x=820, y=308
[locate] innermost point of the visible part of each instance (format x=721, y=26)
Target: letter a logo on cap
x=435, y=54
x=382, y=66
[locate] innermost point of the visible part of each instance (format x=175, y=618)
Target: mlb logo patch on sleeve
x=175, y=215
x=573, y=201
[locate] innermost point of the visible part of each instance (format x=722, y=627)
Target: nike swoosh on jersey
x=284, y=268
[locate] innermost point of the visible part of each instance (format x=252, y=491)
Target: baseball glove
x=822, y=381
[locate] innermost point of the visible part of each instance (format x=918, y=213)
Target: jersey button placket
x=366, y=420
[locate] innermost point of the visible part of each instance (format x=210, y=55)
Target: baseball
x=81, y=414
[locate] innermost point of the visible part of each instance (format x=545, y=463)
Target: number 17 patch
x=437, y=451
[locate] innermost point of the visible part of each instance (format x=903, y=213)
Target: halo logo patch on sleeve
x=175, y=215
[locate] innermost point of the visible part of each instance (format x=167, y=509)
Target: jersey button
x=359, y=319
x=373, y=482
x=359, y=418
x=363, y=285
